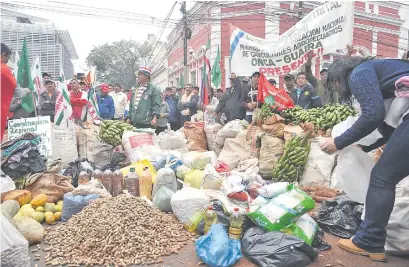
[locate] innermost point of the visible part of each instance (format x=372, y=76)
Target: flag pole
x=35, y=103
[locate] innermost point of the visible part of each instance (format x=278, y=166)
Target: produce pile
x=116, y=231
x=323, y=118
x=111, y=131
x=291, y=164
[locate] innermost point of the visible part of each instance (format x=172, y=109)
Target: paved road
x=331, y=258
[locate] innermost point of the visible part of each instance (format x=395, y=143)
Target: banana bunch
x=111, y=131
x=292, y=162
x=265, y=112
x=322, y=118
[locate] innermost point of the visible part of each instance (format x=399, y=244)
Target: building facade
x=54, y=46
x=376, y=32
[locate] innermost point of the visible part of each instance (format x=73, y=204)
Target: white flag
x=63, y=108
x=37, y=78
x=13, y=63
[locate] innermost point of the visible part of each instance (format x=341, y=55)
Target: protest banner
x=37, y=125
x=324, y=30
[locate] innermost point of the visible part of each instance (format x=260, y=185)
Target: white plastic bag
x=319, y=167
x=212, y=179
x=353, y=172
x=343, y=126
x=186, y=201
x=162, y=198
x=6, y=184
x=14, y=247
x=232, y=184
x=273, y=190
x=171, y=140
x=397, y=231
x=165, y=178
x=199, y=160
x=140, y=144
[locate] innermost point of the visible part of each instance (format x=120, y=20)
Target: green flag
x=216, y=71
x=181, y=80
x=24, y=79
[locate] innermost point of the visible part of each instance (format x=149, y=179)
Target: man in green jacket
x=146, y=99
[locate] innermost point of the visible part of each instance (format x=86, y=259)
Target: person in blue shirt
x=372, y=82
x=304, y=94
x=106, y=103
x=172, y=101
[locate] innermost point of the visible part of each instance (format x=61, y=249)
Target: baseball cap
x=289, y=75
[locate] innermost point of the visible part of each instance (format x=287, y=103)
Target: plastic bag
x=257, y=203
x=397, y=231
x=353, y=172
x=171, y=140
x=212, y=179
x=276, y=249
x=6, y=184
x=199, y=160
x=273, y=190
x=340, y=217
x=139, y=166
x=194, y=178
x=186, y=201
x=137, y=144
x=319, y=242
x=282, y=210
x=176, y=162
x=228, y=204
x=181, y=171
x=216, y=249
x=319, y=167
x=32, y=230
x=304, y=228
x=232, y=184
x=161, y=199
x=14, y=247
x=165, y=178
x=93, y=187
x=343, y=126
x=230, y=130
x=75, y=204
x=211, y=131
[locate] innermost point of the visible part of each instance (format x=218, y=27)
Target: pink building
x=376, y=32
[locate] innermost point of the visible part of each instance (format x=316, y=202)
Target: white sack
x=186, y=201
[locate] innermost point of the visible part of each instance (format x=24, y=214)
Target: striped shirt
x=138, y=95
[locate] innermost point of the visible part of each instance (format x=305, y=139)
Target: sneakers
x=347, y=245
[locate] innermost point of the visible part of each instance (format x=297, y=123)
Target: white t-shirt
x=120, y=100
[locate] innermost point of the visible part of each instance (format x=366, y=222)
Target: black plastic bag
x=76, y=168
x=340, y=217
x=224, y=219
x=319, y=242
x=268, y=249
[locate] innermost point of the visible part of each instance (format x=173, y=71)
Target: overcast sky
x=88, y=32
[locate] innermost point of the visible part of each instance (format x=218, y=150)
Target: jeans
x=391, y=168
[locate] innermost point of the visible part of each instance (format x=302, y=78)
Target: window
x=23, y=20
x=193, y=78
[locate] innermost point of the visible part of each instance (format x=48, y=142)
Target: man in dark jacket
x=106, y=103
x=304, y=94
x=187, y=104
x=230, y=104
x=173, y=118
x=145, y=103
x=249, y=97
x=47, y=100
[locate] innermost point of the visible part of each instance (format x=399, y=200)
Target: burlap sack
x=276, y=130
x=211, y=130
x=195, y=134
x=289, y=130
x=271, y=149
x=51, y=184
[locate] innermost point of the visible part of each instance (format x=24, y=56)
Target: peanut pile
x=116, y=231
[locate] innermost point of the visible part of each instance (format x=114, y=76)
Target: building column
x=374, y=43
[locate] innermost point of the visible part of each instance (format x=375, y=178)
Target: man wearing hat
x=145, y=103
x=289, y=81
x=106, y=104
x=249, y=99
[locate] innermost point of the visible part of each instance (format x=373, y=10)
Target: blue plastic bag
x=171, y=158
x=216, y=249
x=75, y=204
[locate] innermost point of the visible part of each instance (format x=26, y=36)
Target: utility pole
x=300, y=10
x=185, y=37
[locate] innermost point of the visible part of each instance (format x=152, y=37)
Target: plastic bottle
x=83, y=178
x=236, y=225
x=97, y=174
x=131, y=183
x=117, y=182
x=209, y=218
x=107, y=180
x=145, y=184
x=195, y=219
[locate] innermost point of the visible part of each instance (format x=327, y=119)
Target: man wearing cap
x=249, y=99
x=289, y=81
x=145, y=103
x=47, y=100
x=106, y=104
x=272, y=82
x=230, y=104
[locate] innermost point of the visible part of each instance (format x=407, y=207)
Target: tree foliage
x=117, y=62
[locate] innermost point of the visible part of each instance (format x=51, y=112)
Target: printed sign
x=324, y=30
x=141, y=139
x=37, y=125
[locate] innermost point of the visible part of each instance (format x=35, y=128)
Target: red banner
x=281, y=99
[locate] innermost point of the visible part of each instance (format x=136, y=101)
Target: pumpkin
x=21, y=196
x=39, y=200
x=49, y=219
x=57, y=216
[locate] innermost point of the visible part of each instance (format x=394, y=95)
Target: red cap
x=236, y=209
x=104, y=88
